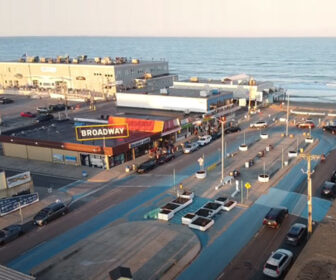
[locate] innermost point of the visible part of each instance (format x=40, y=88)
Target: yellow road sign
x=247, y=185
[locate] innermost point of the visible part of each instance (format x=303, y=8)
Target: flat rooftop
x=90, y=62
x=218, y=82
x=181, y=92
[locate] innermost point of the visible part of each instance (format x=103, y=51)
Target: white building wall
x=162, y=102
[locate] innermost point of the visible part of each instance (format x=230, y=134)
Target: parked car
x=235, y=173
x=56, y=108
x=296, y=234
x=232, y=129
x=44, y=118
x=277, y=263
x=333, y=177
x=10, y=233
x=203, y=140
x=27, y=115
x=166, y=157
x=147, y=166
x=328, y=189
x=5, y=100
x=260, y=124
x=330, y=128
x=306, y=124
x=43, y=110
x=50, y=213
x=190, y=147
x=275, y=216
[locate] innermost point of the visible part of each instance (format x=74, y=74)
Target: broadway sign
x=105, y=131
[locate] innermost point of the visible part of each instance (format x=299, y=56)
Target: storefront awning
x=171, y=131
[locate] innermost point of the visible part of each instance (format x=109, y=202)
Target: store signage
x=18, y=179
x=105, y=131
x=70, y=158
x=139, y=143
x=58, y=157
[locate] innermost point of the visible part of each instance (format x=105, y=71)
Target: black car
x=333, y=177
x=57, y=107
x=274, y=217
x=10, y=233
x=232, y=129
x=166, y=157
x=328, y=190
x=49, y=213
x=44, y=118
x=296, y=234
x=330, y=128
x=146, y=166
x=5, y=100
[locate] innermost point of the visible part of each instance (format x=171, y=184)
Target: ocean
x=306, y=67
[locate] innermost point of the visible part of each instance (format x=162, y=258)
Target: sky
x=173, y=18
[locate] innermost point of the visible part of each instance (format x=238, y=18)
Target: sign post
x=247, y=186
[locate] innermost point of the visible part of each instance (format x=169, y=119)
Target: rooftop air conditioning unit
x=204, y=93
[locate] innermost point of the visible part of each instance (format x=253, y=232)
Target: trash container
x=247, y=164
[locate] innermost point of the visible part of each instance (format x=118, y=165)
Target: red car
x=27, y=115
x=307, y=124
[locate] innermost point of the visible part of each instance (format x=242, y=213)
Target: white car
x=190, y=147
x=277, y=263
x=203, y=140
x=229, y=205
x=260, y=124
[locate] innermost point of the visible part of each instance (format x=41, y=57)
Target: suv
x=49, y=213
x=328, y=190
x=274, y=217
x=296, y=234
x=260, y=124
x=203, y=140
x=277, y=263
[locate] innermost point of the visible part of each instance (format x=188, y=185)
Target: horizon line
x=179, y=37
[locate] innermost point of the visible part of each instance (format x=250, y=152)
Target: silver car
x=277, y=263
x=190, y=147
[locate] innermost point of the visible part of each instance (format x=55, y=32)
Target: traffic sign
x=247, y=185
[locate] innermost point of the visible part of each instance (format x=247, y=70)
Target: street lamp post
x=309, y=158
x=287, y=114
x=222, y=124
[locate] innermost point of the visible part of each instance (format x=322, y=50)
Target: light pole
x=222, y=124
x=287, y=114
x=309, y=158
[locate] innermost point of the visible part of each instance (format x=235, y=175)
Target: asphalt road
x=248, y=264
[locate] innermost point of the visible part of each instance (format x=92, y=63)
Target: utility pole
x=222, y=124
x=287, y=114
x=308, y=157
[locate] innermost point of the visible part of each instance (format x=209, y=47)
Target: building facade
x=96, y=75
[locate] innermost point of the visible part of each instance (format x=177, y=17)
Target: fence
x=8, y=205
